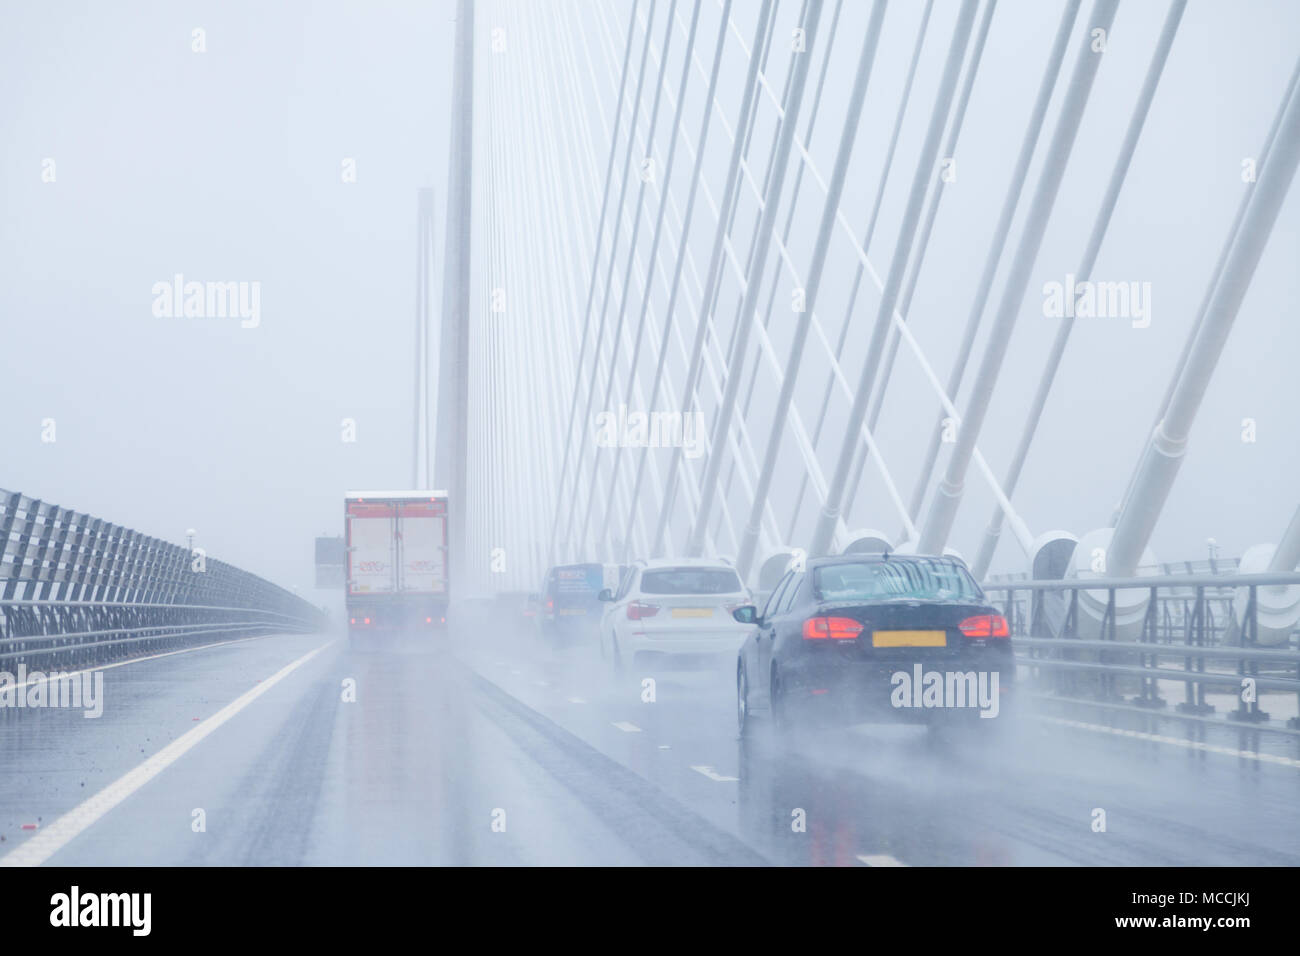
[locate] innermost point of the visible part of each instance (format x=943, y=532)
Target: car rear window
x=577, y=579
x=690, y=581
x=919, y=579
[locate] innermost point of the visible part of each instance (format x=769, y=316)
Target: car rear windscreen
x=579, y=579
x=920, y=579
x=690, y=581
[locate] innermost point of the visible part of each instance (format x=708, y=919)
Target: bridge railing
x=79, y=591
x=1200, y=630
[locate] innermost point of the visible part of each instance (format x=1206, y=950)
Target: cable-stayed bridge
x=761, y=282
x=704, y=315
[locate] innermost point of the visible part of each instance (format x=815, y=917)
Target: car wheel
x=744, y=720
x=777, y=705
x=620, y=670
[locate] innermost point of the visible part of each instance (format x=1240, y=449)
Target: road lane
x=492, y=748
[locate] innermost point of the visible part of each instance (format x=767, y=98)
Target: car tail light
x=354, y=620
x=985, y=625
x=367, y=621
x=831, y=628
x=638, y=609
x=428, y=620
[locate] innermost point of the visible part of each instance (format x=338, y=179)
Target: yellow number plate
x=692, y=612
x=909, y=638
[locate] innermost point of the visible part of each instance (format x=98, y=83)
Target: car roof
x=651, y=564
x=878, y=558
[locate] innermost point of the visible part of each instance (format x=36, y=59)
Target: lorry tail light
x=367, y=621
x=639, y=609
x=831, y=628
x=985, y=625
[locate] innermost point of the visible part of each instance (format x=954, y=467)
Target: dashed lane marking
x=714, y=775
x=880, y=859
x=627, y=728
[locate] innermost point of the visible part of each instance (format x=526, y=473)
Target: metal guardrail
x=1103, y=669
x=79, y=591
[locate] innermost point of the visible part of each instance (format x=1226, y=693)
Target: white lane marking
x=136, y=660
x=665, y=747
x=63, y=830
x=880, y=859
x=1175, y=741
x=714, y=775
x=627, y=728
x=576, y=700
x=542, y=683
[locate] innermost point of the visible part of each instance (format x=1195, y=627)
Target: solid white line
x=714, y=775
x=627, y=728
x=1175, y=742
x=137, y=660
x=880, y=859
x=63, y=830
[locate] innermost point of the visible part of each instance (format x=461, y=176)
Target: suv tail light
x=985, y=625
x=831, y=628
x=638, y=609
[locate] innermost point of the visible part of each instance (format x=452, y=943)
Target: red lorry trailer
x=397, y=560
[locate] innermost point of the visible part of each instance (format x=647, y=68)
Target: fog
x=132, y=158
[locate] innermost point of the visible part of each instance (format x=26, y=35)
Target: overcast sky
x=131, y=157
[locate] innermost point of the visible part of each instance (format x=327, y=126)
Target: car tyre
x=779, y=707
x=616, y=659
x=744, y=719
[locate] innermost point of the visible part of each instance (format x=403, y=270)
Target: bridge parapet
x=78, y=591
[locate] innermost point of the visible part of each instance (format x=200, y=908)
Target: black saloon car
x=875, y=638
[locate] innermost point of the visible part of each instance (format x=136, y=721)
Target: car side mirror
x=605, y=595
x=746, y=614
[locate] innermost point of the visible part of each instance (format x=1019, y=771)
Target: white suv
x=672, y=607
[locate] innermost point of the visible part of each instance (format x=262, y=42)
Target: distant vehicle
x=858, y=638
x=673, y=609
x=516, y=610
x=568, y=606
x=396, y=560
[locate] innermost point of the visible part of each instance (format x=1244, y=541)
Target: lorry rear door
x=372, y=547
x=422, y=531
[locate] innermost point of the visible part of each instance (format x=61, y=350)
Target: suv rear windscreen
x=690, y=581
x=917, y=579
